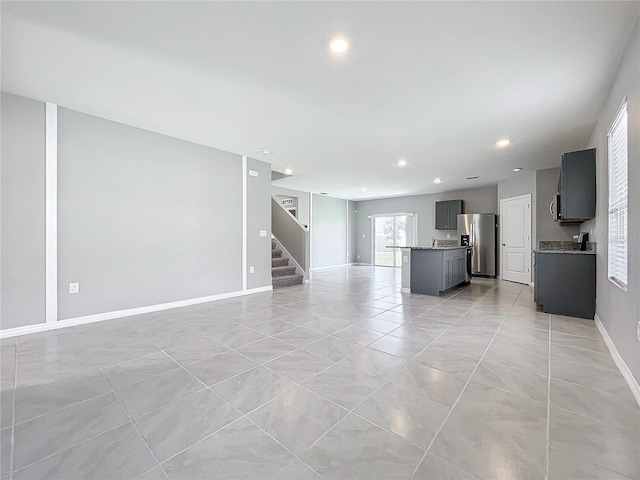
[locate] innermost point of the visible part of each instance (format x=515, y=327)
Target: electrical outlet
x=405, y=258
x=252, y=269
x=74, y=288
x=448, y=235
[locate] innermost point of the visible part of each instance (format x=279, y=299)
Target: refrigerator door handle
x=472, y=240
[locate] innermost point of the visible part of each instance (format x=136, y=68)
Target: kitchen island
x=434, y=270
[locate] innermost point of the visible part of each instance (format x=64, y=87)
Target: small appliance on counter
x=582, y=238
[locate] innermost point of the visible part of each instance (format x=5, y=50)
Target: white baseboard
x=405, y=290
x=99, y=317
x=624, y=368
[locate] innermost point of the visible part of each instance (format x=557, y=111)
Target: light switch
x=74, y=288
x=263, y=233
x=253, y=173
x=252, y=269
x=405, y=259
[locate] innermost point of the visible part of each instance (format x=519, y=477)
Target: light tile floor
x=343, y=378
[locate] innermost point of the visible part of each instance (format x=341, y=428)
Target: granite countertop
x=571, y=252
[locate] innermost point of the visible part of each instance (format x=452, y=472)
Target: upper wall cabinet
x=447, y=214
x=577, y=187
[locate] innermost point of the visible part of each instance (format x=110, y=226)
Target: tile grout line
x=242, y=416
x=388, y=381
x=135, y=425
x=548, y=425
x=435, y=436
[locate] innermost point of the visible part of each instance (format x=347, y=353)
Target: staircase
x=282, y=274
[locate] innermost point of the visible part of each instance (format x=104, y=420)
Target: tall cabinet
x=577, y=187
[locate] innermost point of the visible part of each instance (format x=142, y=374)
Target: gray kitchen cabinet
x=434, y=271
x=577, y=187
x=447, y=214
x=565, y=283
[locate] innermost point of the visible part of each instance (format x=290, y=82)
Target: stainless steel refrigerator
x=478, y=230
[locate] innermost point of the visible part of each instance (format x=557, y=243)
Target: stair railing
x=291, y=234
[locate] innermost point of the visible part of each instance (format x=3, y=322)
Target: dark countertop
x=571, y=252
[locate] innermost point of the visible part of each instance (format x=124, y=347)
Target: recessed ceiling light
x=517, y=169
x=473, y=178
x=503, y=143
x=363, y=189
x=437, y=180
x=265, y=151
x=402, y=162
x=288, y=171
x=339, y=45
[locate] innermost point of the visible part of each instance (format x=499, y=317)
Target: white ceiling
x=436, y=83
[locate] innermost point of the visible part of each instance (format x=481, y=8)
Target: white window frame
x=618, y=210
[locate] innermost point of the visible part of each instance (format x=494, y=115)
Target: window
x=389, y=232
x=618, y=195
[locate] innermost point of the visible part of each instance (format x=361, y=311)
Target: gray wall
x=477, y=200
x=303, y=201
x=23, y=212
x=546, y=188
x=328, y=231
x=618, y=310
x=258, y=218
x=143, y=218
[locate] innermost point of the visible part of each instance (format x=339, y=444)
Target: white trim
x=347, y=233
x=333, y=266
x=244, y=222
x=310, y=231
x=51, y=213
x=99, y=317
x=405, y=290
x=622, y=366
x=392, y=215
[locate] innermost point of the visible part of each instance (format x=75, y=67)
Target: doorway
x=515, y=238
x=389, y=231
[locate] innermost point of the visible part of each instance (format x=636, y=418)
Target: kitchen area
x=446, y=264
x=562, y=271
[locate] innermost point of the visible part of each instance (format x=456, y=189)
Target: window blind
x=618, y=198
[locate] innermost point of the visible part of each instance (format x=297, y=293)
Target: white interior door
x=515, y=238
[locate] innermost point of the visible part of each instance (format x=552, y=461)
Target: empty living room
x=339, y=240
